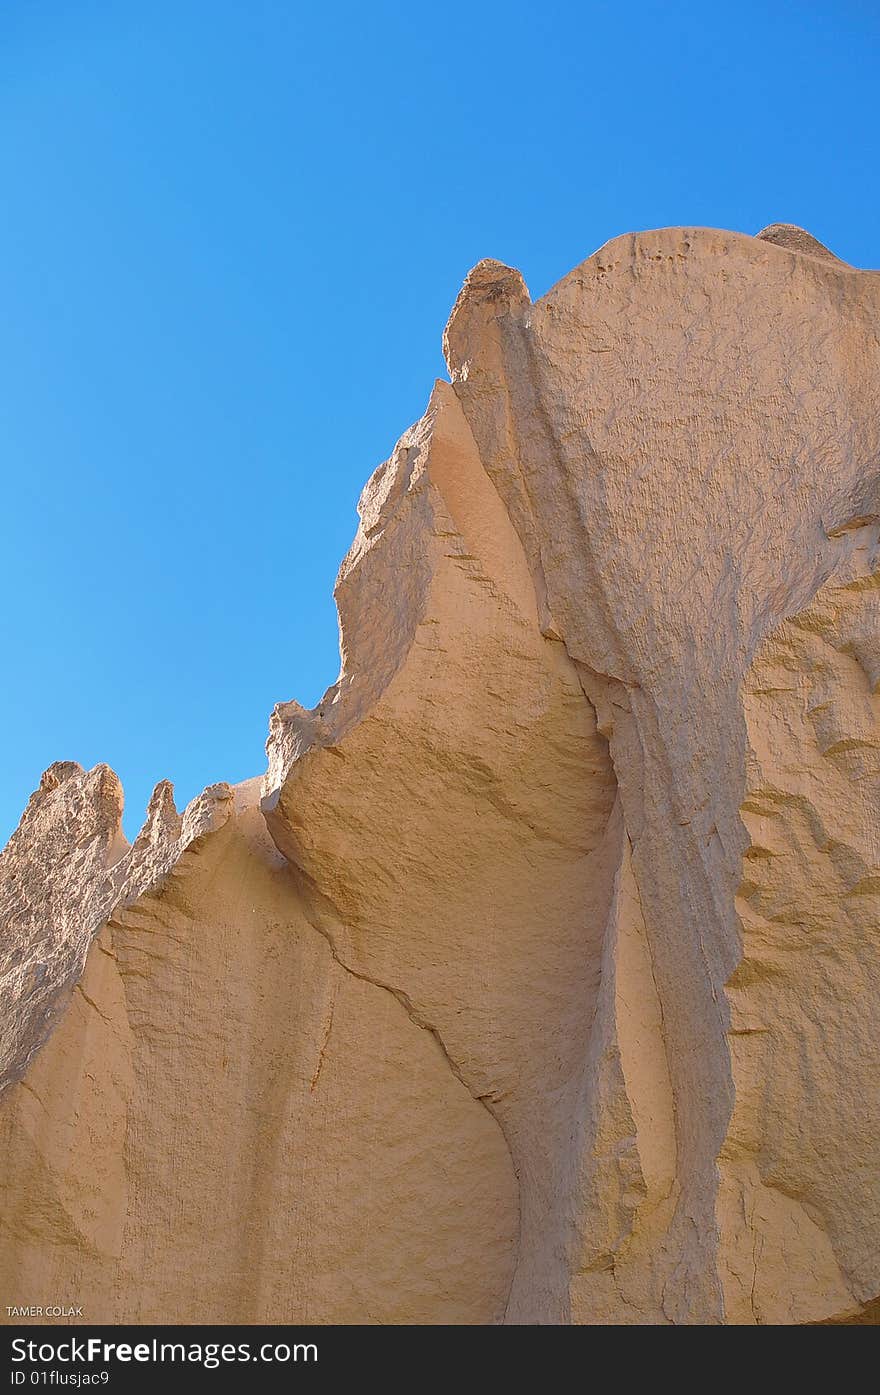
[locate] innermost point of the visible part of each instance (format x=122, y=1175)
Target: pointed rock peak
x=163, y=820
x=58, y=772
x=491, y=290
x=92, y=796
x=209, y=811
x=495, y=281
x=797, y=240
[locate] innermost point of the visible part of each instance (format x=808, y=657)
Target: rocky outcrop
x=539, y=979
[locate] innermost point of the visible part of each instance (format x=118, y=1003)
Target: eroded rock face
x=539, y=980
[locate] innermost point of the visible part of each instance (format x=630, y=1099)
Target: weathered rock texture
x=540, y=981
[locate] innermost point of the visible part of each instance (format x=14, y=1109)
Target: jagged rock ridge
x=539, y=980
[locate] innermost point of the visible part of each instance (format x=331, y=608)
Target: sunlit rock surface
x=538, y=981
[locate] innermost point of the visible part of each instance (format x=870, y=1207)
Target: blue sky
x=231, y=235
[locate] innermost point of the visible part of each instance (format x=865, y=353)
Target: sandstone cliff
x=539, y=979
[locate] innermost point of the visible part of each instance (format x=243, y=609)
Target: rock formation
x=539, y=979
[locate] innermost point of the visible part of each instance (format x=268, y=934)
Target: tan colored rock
x=540, y=981
x=227, y=1124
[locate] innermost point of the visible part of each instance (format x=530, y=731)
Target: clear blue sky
x=231, y=235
